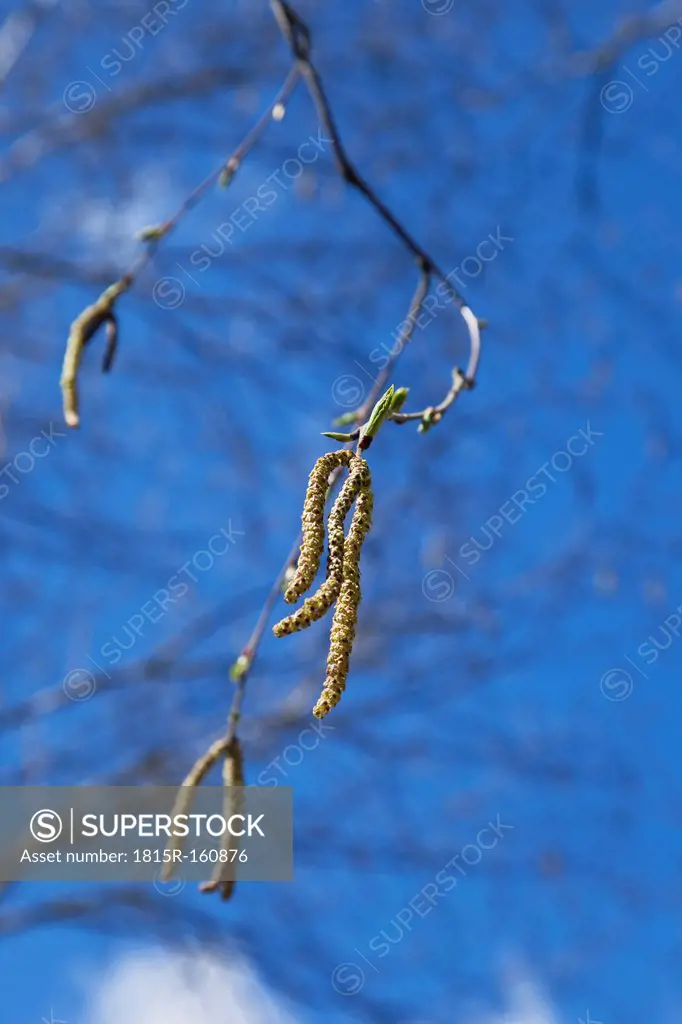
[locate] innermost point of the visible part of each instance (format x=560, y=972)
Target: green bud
x=240, y=668
x=429, y=419
x=399, y=399
x=152, y=234
x=338, y=437
x=227, y=174
x=348, y=417
x=379, y=413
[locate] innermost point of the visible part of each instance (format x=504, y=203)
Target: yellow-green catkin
x=318, y=604
x=82, y=330
x=346, y=610
x=312, y=523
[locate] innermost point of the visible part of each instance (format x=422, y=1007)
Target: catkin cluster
x=342, y=583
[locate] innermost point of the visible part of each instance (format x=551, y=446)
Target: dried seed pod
x=314, y=607
x=346, y=610
x=233, y=803
x=312, y=523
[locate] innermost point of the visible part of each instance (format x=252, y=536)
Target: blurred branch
x=638, y=26
x=16, y=33
x=66, y=129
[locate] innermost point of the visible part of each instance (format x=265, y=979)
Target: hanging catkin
x=312, y=523
x=346, y=610
x=314, y=607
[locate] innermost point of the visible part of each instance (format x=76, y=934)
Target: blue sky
x=520, y=686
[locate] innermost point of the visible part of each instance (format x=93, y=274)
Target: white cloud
x=112, y=228
x=526, y=1004
x=155, y=986
x=160, y=987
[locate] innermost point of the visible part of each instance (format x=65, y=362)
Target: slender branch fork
x=297, y=35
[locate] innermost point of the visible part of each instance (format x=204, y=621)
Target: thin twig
x=434, y=413
x=297, y=35
x=87, y=323
x=404, y=339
